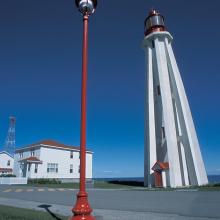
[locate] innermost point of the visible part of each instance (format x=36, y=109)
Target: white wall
x=89, y=166
x=4, y=158
x=16, y=168
x=18, y=157
x=62, y=158
x=181, y=148
x=57, y=156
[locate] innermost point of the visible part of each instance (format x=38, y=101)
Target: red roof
x=5, y=170
x=160, y=166
x=51, y=144
x=31, y=159
x=56, y=144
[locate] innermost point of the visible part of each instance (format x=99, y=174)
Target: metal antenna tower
x=10, y=139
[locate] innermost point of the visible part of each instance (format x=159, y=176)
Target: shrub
x=210, y=185
x=44, y=181
x=7, y=175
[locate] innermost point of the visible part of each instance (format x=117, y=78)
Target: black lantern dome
x=154, y=22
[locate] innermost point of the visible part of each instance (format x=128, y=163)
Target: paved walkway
x=101, y=214
x=29, y=190
x=119, y=204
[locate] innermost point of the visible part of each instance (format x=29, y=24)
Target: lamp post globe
x=86, y=6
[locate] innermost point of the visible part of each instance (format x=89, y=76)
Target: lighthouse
x=172, y=153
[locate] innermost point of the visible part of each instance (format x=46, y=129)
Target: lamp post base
x=82, y=209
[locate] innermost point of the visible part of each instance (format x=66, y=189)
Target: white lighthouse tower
x=172, y=153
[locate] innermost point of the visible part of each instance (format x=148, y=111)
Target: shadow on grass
x=46, y=207
x=127, y=183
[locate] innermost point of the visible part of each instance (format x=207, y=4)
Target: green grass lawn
x=97, y=184
x=11, y=213
x=107, y=185
x=58, y=185
x=209, y=187
x=123, y=185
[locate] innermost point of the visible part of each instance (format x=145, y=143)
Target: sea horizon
x=211, y=178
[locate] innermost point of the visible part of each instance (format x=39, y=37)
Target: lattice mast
x=10, y=139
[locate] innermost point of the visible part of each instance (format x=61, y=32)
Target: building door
x=29, y=170
x=24, y=170
x=158, y=179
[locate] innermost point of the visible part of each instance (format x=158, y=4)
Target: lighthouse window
x=158, y=90
x=71, y=154
x=163, y=132
x=153, y=44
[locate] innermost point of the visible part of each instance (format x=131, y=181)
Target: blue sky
x=40, y=69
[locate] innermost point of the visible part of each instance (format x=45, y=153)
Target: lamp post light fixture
x=86, y=6
x=82, y=209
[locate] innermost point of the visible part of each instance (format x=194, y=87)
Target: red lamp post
x=82, y=209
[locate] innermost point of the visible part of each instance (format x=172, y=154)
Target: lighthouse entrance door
x=158, y=179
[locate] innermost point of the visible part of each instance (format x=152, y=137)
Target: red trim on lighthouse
x=160, y=166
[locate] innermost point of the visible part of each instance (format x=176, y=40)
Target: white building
x=50, y=159
x=6, y=163
x=172, y=153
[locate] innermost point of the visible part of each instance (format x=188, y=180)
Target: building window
x=158, y=90
x=8, y=163
x=32, y=153
x=79, y=169
x=21, y=154
x=71, y=154
x=52, y=167
x=36, y=168
x=29, y=167
x=71, y=168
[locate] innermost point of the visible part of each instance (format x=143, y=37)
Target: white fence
x=13, y=180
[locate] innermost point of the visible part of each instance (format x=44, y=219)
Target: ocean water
x=214, y=178
x=211, y=178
